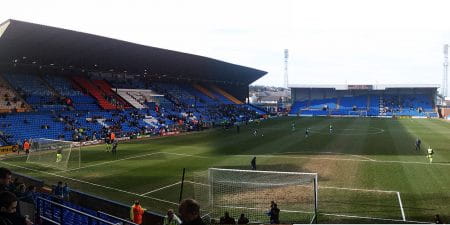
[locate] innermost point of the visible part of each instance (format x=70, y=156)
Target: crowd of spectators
x=11, y=193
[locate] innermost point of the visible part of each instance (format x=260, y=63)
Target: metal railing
x=44, y=204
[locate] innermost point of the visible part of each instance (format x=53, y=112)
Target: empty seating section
x=95, y=92
x=62, y=85
x=22, y=126
x=227, y=95
x=179, y=92
x=329, y=103
x=35, y=92
x=359, y=102
x=65, y=88
x=370, y=105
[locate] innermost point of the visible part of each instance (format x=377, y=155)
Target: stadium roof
x=364, y=86
x=63, y=48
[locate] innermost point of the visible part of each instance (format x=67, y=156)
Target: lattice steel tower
x=445, y=76
x=286, y=56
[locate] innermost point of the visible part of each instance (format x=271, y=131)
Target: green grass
x=362, y=153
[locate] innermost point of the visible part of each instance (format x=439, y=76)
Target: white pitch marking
x=90, y=183
x=363, y=157
x=357, y=189
x=182, y=154
x=170, y=185
x=401, y=206
x=372, y=218
x=321, y=187
x=340, y=159
x=112, y=161
x=131, y=157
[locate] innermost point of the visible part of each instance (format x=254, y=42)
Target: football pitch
x=368, y=168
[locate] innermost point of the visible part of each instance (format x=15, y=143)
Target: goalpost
x=250, y=192
x=55, y=153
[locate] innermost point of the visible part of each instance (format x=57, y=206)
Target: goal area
x=251, y=192
x=54, y=153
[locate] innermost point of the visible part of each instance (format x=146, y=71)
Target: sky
x=329, y=41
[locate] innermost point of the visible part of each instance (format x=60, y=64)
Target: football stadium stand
x=86, y=101
x=97, y=85
x=364, y=100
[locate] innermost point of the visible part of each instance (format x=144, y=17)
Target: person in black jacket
x=8, y=207
x=5, y=179
x=189, y=210
x=226, y=219
x=274, y=213
x=242, y=219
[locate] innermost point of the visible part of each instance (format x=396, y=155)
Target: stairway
x=226, y=95
x=381, y=107
x=95, y=92
x=338, y=102
x=130, y=99
x=204, y=91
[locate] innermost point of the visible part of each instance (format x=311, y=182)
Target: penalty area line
x=112, y=161
x=131, y=157
x=401, y=206
x=161, y=188
x=343, y=159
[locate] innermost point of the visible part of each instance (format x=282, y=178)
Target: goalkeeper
x=59, y=156
x=430, y=153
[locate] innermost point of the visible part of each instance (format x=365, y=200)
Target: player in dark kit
x=253, y=163
x=418, y=143
x=306, y=132
x=114, y=148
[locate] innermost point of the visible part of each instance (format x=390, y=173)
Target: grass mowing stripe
x=90, y=183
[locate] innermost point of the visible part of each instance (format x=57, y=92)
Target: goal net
x=250, y=192
x=54, y=153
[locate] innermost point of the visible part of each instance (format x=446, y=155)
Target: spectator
x=30, y=195
x=274, y=213
x=242, y=219
x=171, y=218
x=226, y=219
x=58, y=191
x=65, y=192
x=20, y=191
x=189, y=210
x=136, y=212
x=5, y=179
x=8, y=214
x=13, y=186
